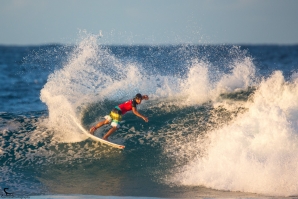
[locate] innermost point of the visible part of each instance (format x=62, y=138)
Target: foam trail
x=258, y=151
x=66, y=88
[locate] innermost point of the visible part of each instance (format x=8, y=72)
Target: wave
x=94, y=75
x=214, y=123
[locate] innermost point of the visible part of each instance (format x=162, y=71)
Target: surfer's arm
x=135, y=111
x=145, y=97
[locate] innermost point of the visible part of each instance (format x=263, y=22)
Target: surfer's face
x=138, y=100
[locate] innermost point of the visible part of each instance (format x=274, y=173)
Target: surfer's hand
x=145, y=97
x=145, y=119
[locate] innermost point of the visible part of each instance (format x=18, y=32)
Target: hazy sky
x=154, y=22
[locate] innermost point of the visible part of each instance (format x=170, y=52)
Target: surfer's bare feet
x=93, y=128
x=106, y=139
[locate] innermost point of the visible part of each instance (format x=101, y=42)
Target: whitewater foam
x=258, y=151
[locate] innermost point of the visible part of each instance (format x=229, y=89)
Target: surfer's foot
x=106, y=139
x=93, y=128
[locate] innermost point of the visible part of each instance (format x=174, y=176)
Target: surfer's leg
x=98, y=125
x=110, y=132
x=114, y=118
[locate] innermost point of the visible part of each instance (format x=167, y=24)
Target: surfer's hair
x=139, y=96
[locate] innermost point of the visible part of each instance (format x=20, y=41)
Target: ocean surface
x=223, y=121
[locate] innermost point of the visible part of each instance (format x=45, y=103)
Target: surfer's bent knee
x=107, y=121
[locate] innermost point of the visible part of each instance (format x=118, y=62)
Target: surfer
x=116, y=114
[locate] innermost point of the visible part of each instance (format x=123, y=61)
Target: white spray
x=256, y=153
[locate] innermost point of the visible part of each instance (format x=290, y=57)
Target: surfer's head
x=139, y=98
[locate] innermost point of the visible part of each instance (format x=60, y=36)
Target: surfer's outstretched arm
x=145, y=97
x=139, y=99
x=135, y=111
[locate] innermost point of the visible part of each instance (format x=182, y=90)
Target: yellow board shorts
x=115, y=117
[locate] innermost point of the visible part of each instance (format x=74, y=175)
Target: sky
x=149, y=22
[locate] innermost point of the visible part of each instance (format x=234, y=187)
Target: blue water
x=223, y=120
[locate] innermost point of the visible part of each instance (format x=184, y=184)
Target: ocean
x=223, y=121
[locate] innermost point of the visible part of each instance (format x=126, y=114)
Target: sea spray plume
x=197, y=85
x=241, y=76
x=258, y=151
x=204, y=82
x=73, y=85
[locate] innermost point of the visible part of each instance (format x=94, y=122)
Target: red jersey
x=127, y=106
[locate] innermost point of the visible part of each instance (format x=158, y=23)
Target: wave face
x=221, y=118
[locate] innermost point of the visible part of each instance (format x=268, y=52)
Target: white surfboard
x=97, y=138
